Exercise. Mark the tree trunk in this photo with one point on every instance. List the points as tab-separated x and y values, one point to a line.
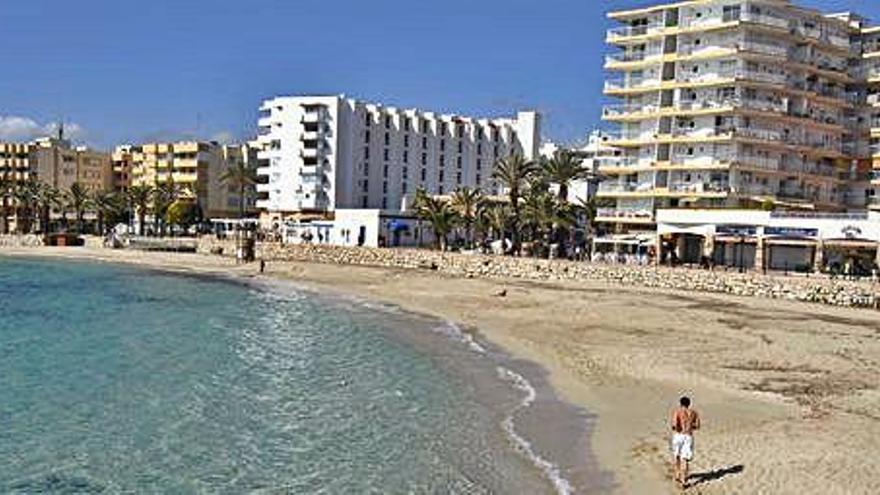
142	217
241	201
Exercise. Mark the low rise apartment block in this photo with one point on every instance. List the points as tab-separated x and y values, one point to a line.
197	167
322	153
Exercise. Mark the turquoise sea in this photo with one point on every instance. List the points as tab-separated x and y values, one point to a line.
121	380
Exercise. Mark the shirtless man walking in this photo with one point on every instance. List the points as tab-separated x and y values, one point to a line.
684	422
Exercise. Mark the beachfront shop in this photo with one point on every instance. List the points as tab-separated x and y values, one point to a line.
360	227
836	243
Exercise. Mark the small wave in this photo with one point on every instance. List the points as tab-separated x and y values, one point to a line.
453	330
562	486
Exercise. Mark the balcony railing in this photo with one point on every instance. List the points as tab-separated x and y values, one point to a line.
624	213
699	187
620	187
635	56
627	31
765	20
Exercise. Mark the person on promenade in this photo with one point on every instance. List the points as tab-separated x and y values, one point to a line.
684	422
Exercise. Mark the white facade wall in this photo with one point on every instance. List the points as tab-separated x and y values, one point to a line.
321	154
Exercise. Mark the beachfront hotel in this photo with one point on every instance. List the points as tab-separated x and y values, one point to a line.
320	154
196	166
734	104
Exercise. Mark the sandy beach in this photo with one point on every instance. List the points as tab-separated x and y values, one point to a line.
788	391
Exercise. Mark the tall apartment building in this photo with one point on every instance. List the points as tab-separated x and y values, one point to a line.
870	73
322	153
196	166
726	103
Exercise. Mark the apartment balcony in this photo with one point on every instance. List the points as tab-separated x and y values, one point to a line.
765	20
614	215
621	33
712	188
625	164
616	188
312	118
625	59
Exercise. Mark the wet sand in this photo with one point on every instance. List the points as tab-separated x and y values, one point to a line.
788	391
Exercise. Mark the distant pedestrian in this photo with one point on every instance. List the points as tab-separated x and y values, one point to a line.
683	423
262	265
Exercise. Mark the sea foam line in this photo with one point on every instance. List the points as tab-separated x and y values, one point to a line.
562	486
550	470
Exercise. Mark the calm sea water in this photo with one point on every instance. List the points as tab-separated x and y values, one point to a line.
115	379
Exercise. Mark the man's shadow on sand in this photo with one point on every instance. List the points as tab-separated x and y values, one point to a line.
707	476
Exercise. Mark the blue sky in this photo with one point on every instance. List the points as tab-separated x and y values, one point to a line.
128	71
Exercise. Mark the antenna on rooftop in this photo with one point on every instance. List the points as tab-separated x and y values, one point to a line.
61	130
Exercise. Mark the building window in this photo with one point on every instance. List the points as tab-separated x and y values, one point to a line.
479	133
458	178
365	186
387	123
384	188
425	127
368	120
424	174
480	148
458	162
495	151
440	189
366	153
405	156
407	123
405	173
460	147
384	203
459	131
366	169
442	160
367	137
424	158
441	176
479	163
385	154
387	139
444	128
424	143
364	202
403	188
385	171
406	140
479	179
442	145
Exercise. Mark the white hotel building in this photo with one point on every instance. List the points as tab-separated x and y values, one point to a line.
319	154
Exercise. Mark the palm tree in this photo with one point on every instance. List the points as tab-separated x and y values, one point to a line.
244	177
26	197
7	195
494	219
108	206
139	199
79	200
563	169
467	203
47	198
164	195
439	214
514	173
